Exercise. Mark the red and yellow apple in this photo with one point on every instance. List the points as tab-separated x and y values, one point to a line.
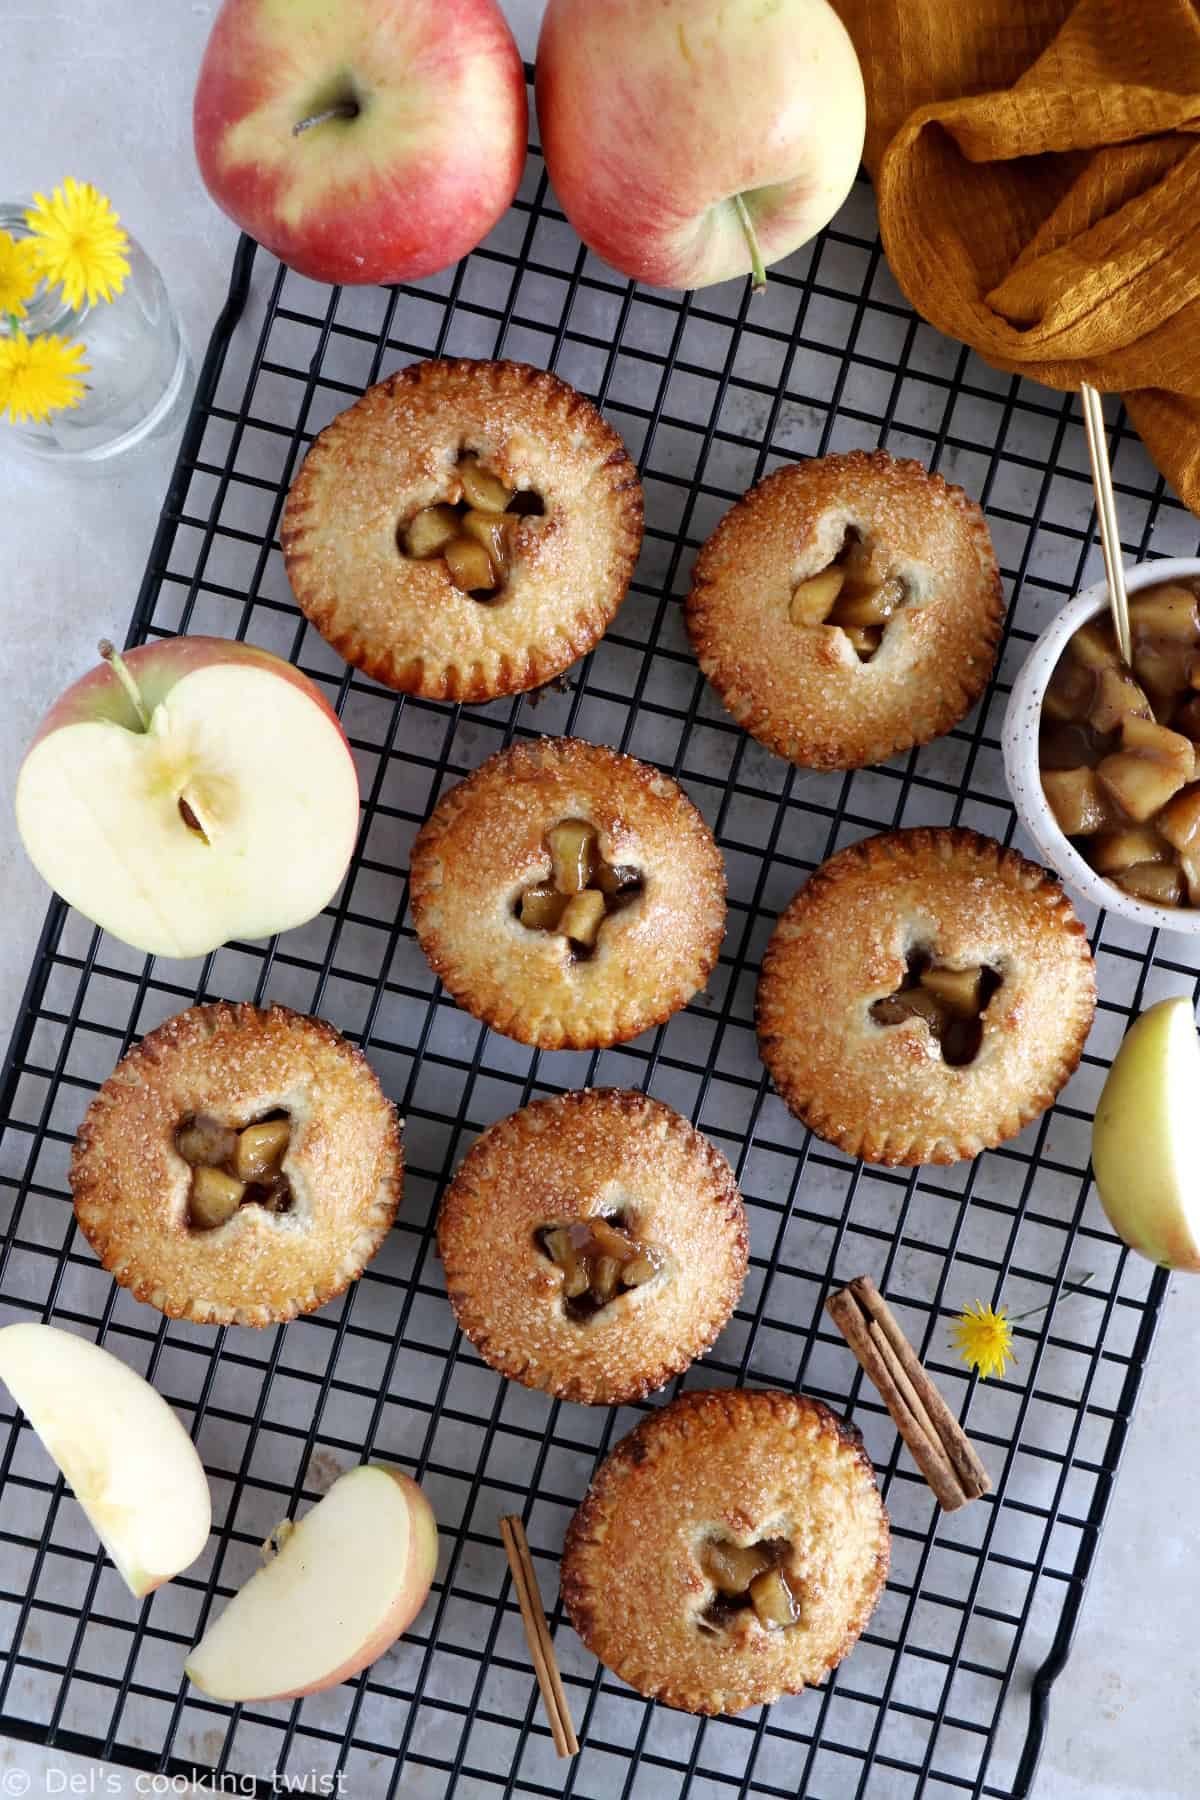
692	141
1146	1137
362	140
339	1587
197	790
133	1467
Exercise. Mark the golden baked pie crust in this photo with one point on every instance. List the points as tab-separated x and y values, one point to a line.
802	691
404	622
235	1061
484	843
884	1093
747	1465
570	1158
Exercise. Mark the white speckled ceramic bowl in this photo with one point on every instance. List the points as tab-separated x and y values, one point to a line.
1020	744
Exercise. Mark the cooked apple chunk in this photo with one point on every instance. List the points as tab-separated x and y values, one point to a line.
812	599
870	606
732	1567
582	917
864	639
1111	851
572	848
430	531
260	1148
481	488
959	989
1070	691
1117	698
1179	821
1148	738
542	906
470	565
1077	801
1159	883
215	1197
773	1600
1094	645
491	532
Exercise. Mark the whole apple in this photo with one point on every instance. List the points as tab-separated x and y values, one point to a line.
197	790
693	141
362	140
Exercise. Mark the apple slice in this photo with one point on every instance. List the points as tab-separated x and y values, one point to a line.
133	1467
195	791
345	1581
1146	1137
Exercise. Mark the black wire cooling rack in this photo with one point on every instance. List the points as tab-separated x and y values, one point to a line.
947	1691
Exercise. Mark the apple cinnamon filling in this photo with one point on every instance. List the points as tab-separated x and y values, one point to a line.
748	1576
234	1168
857	592
600	1258
1119	748
583	889
473	530
951	1001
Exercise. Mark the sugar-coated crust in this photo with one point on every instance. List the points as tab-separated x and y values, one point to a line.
803	692
568	1158
484	843
738	1464
233	1061
390	454
884	1093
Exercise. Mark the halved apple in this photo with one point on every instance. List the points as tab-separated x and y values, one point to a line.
198	789
132	1465
344	1582
1146	1137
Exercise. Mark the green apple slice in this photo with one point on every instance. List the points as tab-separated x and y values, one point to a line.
1146	1137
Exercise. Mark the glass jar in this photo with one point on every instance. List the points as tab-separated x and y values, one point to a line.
139	379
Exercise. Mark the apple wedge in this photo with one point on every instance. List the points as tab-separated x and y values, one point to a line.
1146	1137
344	1582
195	790
133	1467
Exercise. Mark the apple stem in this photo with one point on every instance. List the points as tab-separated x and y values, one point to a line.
120	669
1068	1287
758	268
345	109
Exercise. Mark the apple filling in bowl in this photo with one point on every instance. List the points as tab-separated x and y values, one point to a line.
1119	749
857	592
582	891
748	1576
472	530
234	1168
951	1001
600	1258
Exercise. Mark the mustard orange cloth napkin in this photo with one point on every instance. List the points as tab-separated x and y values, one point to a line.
1037	166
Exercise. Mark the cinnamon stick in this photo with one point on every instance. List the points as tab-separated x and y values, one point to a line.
537	1632
937	1442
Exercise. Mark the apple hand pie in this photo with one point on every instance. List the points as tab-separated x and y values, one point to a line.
730	1550
464	530
925	995
594	1245
239	1166
847	608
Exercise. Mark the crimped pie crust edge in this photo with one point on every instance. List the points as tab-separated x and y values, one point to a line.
118	1174
511	1309
638	1492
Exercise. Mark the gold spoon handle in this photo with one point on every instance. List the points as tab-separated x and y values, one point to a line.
1106	514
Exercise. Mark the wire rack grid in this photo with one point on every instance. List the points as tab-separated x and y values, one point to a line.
943	1694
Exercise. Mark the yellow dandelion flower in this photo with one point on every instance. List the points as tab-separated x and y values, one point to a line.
19	273
80	243
39	376
983	1339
